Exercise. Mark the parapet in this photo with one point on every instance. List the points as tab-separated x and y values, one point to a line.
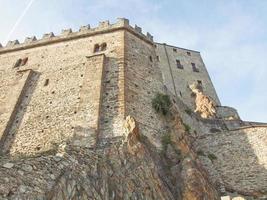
68	34
48	35
12	43
30	39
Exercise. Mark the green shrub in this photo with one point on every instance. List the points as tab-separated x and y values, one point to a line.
200	153
212	157
188	111
165	140
187	128
161	104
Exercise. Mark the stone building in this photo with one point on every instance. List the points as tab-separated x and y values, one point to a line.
64	127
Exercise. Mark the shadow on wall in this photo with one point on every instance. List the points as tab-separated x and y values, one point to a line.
20	110
239	157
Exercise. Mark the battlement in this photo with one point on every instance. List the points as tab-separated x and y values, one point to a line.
68	34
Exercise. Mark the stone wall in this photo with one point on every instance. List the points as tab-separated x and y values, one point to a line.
239	157
67	80
143	81
178	80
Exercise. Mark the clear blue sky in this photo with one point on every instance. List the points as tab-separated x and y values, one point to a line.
231	36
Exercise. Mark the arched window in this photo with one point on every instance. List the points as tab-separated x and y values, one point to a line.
103	46
96	48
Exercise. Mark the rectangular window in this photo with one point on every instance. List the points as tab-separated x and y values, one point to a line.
24	61
158	58
188	53
174	50
195	69
178	64
199	82
18	63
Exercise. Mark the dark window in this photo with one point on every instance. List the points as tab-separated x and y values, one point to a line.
150	58
199	82
157	58
96	48
195	69
188	53
46	82
181	94
24	61
103	46
178	64
18	63
174	50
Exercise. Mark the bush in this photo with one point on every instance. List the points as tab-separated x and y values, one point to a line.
212	157
188	111
161	104
165	140
187	128
200	153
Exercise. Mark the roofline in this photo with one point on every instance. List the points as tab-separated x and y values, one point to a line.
177	47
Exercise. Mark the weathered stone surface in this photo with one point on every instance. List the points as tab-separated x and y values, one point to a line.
205	106
64	133
8	165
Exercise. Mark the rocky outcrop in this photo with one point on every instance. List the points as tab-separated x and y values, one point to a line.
205	106
129	169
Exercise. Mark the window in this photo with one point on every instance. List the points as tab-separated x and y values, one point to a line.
150	58
103	46
18	63
195	69
178	64
199	82
46	82
24	61
96	48
158	58
174	50
188	53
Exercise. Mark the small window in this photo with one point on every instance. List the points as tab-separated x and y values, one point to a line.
178	64
158	58
181	94
188	53
195	69
18	63
103	46
199	82
96	48
24	61
46	82
150	58
174	50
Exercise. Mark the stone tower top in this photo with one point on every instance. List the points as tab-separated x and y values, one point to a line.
68	34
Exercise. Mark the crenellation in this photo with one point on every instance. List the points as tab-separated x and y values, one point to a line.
104	24
12	43
66	32
122	22
48	35
138	29
29	40
84	28
149	36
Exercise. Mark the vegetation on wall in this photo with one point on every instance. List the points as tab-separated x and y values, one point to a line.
161	103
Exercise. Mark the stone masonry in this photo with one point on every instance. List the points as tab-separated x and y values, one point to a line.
63	105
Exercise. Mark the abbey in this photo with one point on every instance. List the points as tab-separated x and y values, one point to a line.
69	103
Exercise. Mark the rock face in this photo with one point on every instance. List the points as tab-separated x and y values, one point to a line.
205	106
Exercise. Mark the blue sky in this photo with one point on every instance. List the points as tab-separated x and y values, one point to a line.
230	34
